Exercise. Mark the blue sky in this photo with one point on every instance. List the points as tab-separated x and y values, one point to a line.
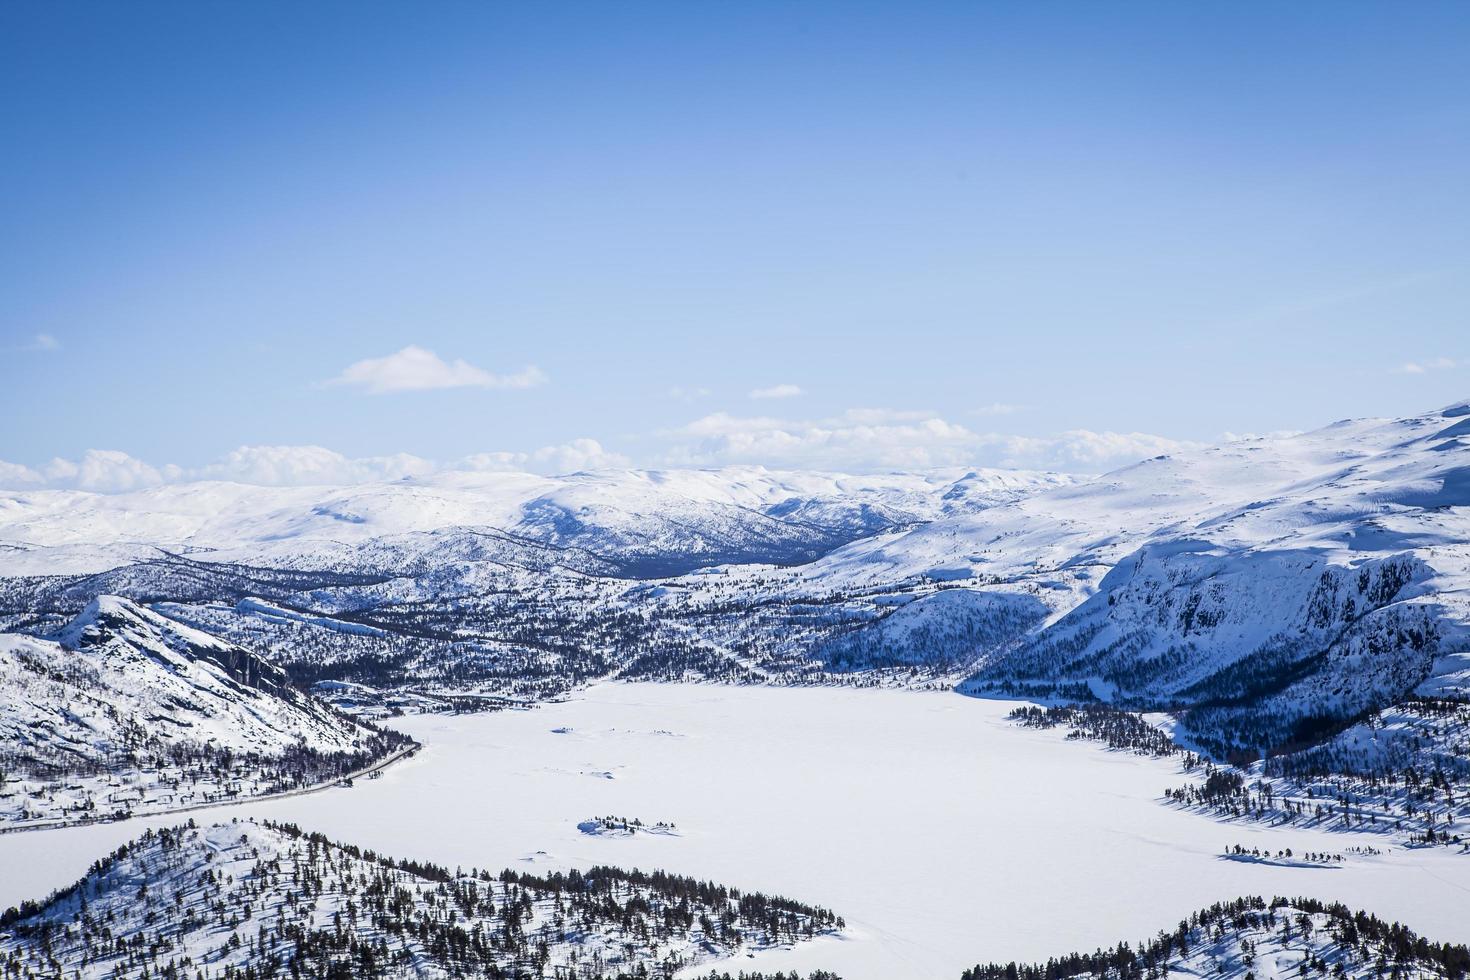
1039	234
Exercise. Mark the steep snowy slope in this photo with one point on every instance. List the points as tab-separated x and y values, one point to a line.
222	900
118	664
1275	586
124	695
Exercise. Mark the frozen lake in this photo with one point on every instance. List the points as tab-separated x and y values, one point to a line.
942	832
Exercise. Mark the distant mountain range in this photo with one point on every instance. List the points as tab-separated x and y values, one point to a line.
636	523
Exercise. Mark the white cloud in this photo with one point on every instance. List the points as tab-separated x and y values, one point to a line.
876	439
777	391
996	408
306	465
858	440
579	454
861	439
498	462
415	369
1424	367
110	471
106	471
41	343
884	416
16	476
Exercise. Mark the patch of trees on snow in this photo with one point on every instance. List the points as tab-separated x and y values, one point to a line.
1251	937
151	776
1114	727
1285	856
242	901
1404	771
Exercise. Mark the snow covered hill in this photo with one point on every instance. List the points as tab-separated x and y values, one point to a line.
125	710
1253	938
245	900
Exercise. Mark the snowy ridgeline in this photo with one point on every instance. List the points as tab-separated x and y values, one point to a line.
126	712
1298	938
241	900
497	585
1403	772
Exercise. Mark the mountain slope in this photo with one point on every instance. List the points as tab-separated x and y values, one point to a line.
101	715
1280	586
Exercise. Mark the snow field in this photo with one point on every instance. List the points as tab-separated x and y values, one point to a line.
944	834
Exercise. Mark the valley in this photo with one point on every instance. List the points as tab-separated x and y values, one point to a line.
895	696
943	833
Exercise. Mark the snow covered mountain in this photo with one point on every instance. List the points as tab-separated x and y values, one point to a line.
1270	590
244	900
98	716
636	522
1274	586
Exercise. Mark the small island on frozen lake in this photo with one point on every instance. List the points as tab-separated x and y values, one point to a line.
1285	857
625	827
